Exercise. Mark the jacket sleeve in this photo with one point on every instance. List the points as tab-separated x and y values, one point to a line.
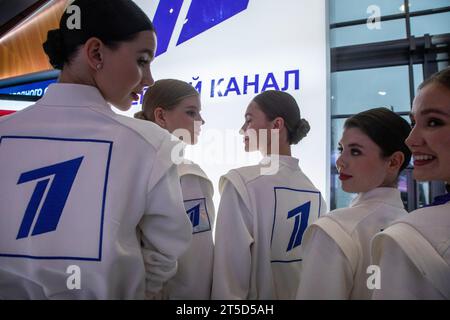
195	267
196	184
166	230
326	272
232	251
400	279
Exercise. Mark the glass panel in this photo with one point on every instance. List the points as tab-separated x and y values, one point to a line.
359	90
431	24
409	122
418	76
411	161
403	187
339	198
337	126
424	193
347	10
417	5
443	64
352	35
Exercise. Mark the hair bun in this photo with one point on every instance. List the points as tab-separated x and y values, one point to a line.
54	48
140	115
301	130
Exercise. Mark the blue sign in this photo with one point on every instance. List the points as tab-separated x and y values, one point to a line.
202	15
35	89
64	175
300	213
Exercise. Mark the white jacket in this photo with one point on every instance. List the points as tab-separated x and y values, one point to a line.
337	246
82	186
259	227
194	276
414	256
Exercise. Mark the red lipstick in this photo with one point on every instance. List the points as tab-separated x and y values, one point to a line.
343	176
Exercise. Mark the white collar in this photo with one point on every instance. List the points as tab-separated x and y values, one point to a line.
74	95
286	160
390	196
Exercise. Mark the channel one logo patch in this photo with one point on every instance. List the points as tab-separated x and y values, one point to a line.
202	15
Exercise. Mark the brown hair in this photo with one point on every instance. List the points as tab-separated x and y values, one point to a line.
281	104
384	127
442	77
166	94
112	21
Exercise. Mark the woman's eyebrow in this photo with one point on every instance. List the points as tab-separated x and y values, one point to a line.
434	110
355	145
148	51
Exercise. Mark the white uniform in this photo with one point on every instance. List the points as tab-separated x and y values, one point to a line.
82	186
194	276
337	246
414	255
259	228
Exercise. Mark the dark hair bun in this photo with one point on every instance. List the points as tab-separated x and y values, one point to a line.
300	131
140	115
54	48
110	21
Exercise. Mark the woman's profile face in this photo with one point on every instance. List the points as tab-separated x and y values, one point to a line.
126	70
429	140
256	126
360	165
185	120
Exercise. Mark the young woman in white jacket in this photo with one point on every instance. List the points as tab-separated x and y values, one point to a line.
337	246
82	216
414	253
265	208
175	106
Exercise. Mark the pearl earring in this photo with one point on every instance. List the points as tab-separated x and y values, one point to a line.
99	66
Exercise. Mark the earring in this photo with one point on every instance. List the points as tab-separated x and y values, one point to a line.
99	66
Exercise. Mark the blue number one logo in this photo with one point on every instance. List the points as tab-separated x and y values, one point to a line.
301	215
47	221
194	215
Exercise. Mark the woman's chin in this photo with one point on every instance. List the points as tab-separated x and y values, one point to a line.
346	188
122	105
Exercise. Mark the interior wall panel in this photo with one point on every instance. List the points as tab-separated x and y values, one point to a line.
21	49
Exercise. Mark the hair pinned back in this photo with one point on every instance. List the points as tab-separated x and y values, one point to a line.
301	131
281	104
112	21
384	127
140	115
166	94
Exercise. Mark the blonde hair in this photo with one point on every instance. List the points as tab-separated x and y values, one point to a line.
166	94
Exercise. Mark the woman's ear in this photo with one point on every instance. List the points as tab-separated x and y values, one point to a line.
160	117
93	49
278	123
396	161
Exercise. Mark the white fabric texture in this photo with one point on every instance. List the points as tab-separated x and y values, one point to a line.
336	260
409	268
260	221
194	275
122	220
